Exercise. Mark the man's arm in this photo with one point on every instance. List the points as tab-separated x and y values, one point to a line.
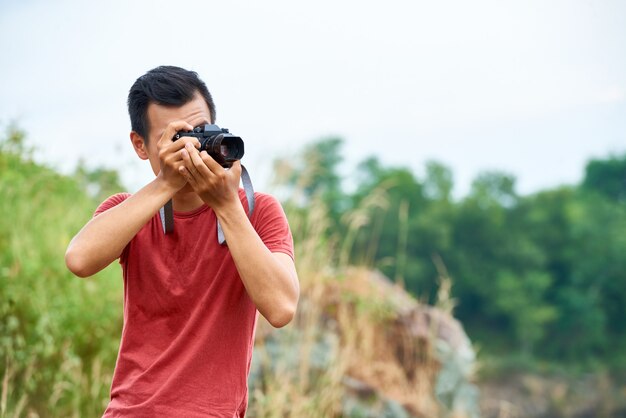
270	278
103	238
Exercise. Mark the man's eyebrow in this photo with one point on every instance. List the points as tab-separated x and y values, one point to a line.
204	122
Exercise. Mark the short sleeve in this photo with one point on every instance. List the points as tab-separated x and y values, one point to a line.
111	202
270	222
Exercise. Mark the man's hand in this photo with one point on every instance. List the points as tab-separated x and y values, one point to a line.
171	153
217	186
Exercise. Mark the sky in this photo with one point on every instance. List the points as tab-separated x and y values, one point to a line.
531	88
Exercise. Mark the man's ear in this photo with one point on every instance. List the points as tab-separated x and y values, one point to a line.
139	145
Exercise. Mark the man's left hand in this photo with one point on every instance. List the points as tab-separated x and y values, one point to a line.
217	186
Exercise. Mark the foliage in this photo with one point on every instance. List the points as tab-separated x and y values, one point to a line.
543	275
58	333
314	174
540	277
607	177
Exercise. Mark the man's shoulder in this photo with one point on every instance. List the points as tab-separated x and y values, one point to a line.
261	200
111	201
265	198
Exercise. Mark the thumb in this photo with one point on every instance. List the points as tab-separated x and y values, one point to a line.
236	168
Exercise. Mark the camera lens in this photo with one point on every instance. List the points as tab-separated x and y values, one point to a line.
224	148
231	148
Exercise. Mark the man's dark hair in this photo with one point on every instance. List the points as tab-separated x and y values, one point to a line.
167	86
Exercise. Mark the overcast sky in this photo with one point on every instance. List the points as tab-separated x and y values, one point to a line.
532	88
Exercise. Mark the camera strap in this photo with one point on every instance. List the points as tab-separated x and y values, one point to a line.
167	213
249	190
167	217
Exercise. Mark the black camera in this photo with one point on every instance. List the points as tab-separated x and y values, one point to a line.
224	147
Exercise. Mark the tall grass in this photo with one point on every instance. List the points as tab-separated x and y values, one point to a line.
342	303
58	334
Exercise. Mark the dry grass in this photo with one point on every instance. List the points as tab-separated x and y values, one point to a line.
375	354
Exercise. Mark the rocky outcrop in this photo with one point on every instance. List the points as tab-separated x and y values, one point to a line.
387	354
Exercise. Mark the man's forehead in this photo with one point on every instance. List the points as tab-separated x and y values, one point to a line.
195	112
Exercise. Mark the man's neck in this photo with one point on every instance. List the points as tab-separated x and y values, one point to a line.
186	200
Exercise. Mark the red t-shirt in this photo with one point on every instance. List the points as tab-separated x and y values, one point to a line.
189	324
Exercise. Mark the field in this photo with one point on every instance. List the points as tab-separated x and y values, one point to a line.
362	345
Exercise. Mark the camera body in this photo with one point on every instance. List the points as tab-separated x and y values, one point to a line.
220	144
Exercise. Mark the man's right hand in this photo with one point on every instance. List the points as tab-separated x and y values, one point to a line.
170	155
105	236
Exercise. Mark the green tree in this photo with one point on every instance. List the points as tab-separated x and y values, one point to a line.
501	281
315	172
439	182
394	240
607	177
540	274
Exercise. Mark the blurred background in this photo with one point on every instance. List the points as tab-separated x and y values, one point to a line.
454	174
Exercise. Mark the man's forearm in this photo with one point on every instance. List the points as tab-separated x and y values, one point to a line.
104	237
270	278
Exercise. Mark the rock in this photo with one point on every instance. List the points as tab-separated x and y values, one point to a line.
389	355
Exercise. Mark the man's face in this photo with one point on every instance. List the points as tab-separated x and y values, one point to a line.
196	113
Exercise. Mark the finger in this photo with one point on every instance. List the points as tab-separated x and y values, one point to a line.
182	170
210	162
183	141
193	162
187	162
171	130
173	153
236	168
199	164
168	149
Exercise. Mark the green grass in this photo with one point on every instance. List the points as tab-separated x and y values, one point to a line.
59	333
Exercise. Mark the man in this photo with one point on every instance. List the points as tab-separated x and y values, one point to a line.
190	304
